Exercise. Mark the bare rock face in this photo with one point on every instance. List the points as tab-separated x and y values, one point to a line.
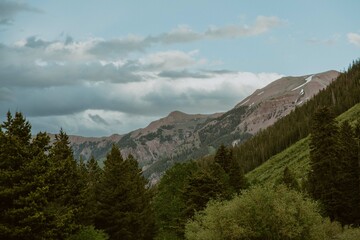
279	98
181	136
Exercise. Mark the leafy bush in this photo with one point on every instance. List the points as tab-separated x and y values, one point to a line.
349	234
89	233
262	213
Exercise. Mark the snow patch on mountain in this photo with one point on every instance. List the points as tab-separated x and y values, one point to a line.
307	80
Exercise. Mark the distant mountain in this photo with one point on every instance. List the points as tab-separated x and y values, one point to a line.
181	136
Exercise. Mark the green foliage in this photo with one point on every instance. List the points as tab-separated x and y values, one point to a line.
127	141
169	204
289	179
323	160
23	178
65	184
334	175
349	234
295	126
347	177
187	188
224	158
224	125
123	209
262	213
89	233
209	182
296	157
91	179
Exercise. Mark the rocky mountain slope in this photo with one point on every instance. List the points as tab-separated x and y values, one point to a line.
181	136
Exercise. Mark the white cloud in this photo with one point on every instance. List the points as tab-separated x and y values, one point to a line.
171	60
102	108
98	87
354	38
262	25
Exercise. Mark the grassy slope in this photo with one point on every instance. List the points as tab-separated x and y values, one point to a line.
296	157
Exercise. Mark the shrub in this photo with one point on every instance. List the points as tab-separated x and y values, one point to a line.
89	233
262	213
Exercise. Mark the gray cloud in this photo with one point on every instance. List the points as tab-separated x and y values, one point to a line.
66	82
34	42
32	67
115	47
182	74
97	119
5	94
9	9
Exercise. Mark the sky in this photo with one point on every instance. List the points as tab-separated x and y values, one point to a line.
99	67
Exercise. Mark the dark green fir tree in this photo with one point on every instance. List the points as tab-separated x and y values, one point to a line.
123	209
324	160
23	181
289	179
348	201
65	188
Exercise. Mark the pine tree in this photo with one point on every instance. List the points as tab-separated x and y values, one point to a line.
225	159
169	203
209	182
64	195
289	179
237	178
123	209
348	177
88	195
324	162
23	188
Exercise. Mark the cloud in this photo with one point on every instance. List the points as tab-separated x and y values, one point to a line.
182	74
97	119
122	46
171	60
149	99
329	41
262	24
98	87
181	34
354	38
113	49
9	9
184	33
5	94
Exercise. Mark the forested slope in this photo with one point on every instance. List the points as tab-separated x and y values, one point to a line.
341	95
296	157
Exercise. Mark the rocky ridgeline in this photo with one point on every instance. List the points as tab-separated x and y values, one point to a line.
181	136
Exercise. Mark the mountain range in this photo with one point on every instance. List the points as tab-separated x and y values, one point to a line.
180	136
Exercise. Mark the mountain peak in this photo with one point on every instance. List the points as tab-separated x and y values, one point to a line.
177	114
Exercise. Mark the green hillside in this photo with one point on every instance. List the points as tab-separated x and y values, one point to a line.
296	157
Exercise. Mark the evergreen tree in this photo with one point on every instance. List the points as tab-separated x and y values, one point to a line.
237	178
225	159
88	195
169	203
23	188
123	201
65	187
324	160
347	179
209	182
289	179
